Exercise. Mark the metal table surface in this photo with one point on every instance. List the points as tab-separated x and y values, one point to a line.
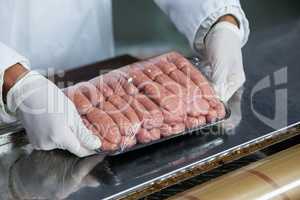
272	88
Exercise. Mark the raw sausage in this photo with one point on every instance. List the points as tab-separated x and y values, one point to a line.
155	91
126	81
127	142
197	106
105	125
177	60
155	133
191	122
171	85
178	128
153	109
166	130
212	116
122	122
129	88
161	96
200	81
151	70
139	79
105	145
201	120
192	107
91	92
89	126
194	122
170	117
166	67
144	116
144	136
185	81
126	109
220	108
102	86
115	81
82	104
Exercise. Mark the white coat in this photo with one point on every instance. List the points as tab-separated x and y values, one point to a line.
69	33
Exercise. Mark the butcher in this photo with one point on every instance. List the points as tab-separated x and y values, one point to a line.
41	35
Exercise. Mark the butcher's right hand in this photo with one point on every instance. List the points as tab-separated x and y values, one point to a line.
49	117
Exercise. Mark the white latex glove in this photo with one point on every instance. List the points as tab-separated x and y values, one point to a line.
224	54
49	117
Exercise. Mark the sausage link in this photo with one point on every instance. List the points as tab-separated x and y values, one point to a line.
153	109
191	122
82	104
137	75
126	109
166	130
191	107
200	81
127	142
91	92
171	85
185	81
115	81
144	136
107	146
89	126
155	133
178	128
170	117
178	60
143	114
166	67
102	86
201	120
152	71
212	116
155	91
220	108
105	125
129	88
122	122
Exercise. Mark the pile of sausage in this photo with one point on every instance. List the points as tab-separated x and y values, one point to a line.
146	101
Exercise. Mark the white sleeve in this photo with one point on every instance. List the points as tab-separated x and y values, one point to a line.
8	58
194	18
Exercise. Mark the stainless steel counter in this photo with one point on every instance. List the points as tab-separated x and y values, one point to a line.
271	91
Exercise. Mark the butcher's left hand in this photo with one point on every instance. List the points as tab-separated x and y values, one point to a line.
223	49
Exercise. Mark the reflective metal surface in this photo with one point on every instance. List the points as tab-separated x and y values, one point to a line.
271	60
275	177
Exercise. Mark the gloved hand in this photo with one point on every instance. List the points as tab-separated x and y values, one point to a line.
49	117
223	49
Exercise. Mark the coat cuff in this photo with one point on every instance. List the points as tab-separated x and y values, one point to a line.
236	11
9	57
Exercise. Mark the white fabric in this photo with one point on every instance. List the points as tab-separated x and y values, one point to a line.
49	117
53	35
58	33
8	58
194	18
224	54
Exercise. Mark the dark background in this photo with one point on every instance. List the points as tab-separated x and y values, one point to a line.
142	29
